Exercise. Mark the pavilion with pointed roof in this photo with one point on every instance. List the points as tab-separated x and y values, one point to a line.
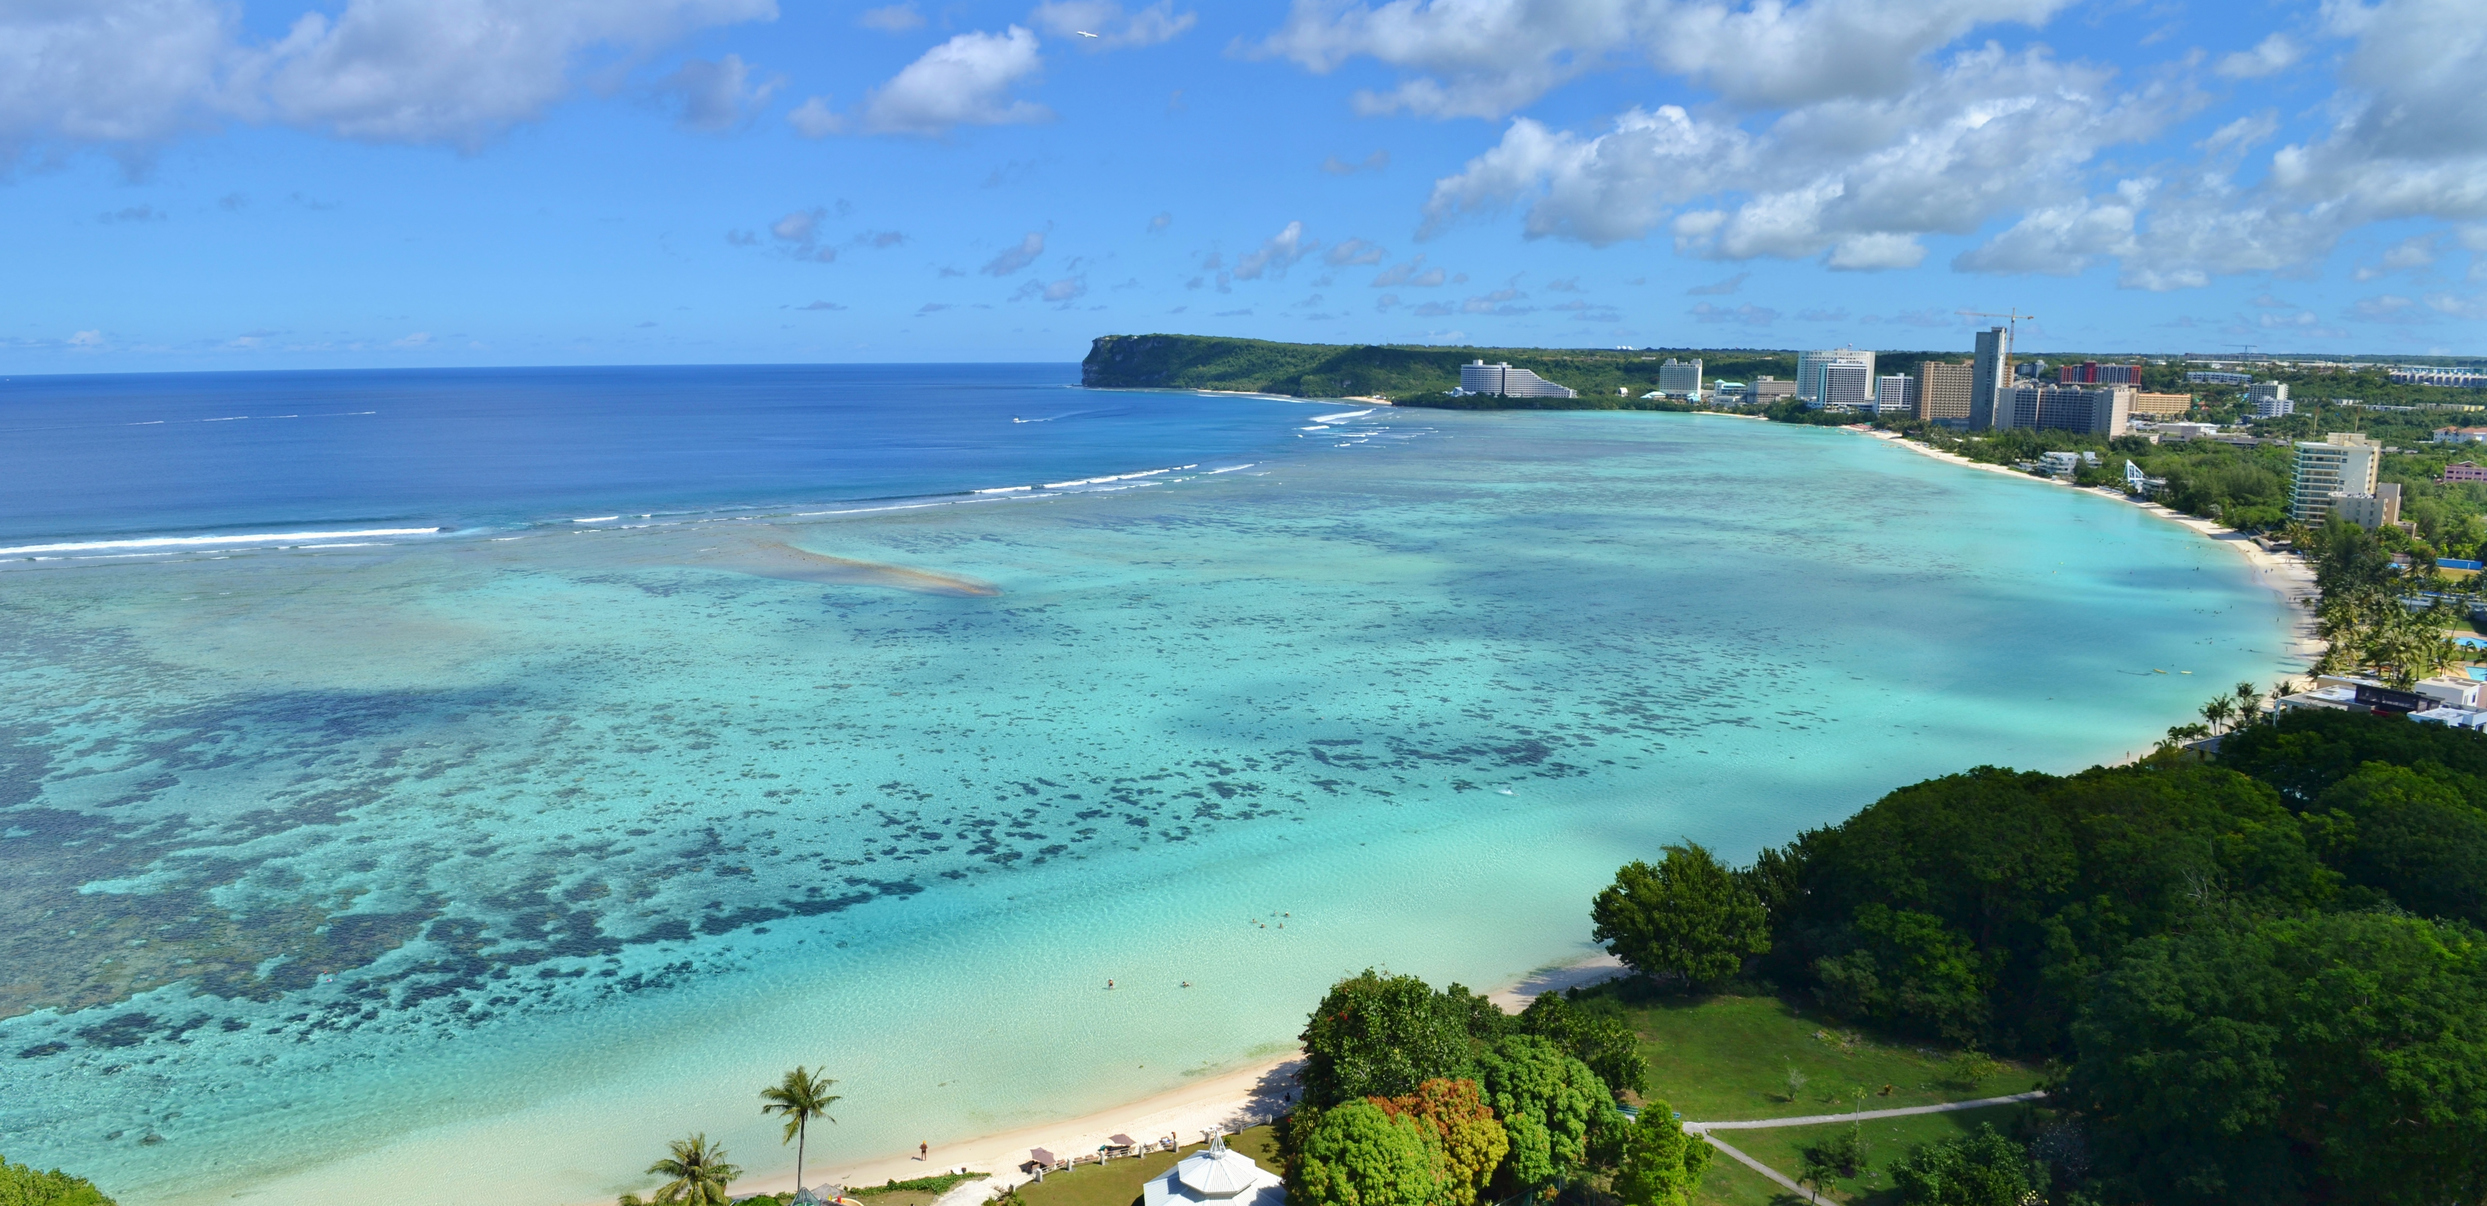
1216	1176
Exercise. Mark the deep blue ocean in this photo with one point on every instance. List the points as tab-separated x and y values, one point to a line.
421	787
114	457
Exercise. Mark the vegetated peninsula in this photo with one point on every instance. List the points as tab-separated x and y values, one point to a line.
1407	374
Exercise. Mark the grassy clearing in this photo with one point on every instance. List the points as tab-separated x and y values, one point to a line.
1118	1183
1727	1058
1890	1138
1731	1184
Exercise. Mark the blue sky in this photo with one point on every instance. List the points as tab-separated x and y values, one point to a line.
194	184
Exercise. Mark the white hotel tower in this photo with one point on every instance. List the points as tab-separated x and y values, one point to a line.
1478	377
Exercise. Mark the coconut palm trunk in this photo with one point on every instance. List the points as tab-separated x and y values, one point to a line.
802	1096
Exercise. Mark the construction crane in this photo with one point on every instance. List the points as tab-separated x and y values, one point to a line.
2011	317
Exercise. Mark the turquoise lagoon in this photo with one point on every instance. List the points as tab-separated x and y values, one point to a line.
476	868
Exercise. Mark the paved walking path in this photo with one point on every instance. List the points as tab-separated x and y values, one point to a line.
1902	1112
1703	1129
1767	1171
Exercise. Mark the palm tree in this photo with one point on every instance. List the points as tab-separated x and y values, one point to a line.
699	1174
801	1097
2219	711
2249	704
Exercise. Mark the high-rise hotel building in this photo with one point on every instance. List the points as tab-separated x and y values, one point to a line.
1991	371
1478	377
1840	376
1944	389
2343	465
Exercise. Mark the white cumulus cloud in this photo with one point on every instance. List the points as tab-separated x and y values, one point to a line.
1857	180
1274	256
1486	58
2270	56
966	81
1114	28
458	71
1012	259
130	73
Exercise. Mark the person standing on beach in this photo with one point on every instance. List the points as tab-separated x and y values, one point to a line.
923	1151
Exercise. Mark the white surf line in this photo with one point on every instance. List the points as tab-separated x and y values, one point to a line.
1865	1115
179	542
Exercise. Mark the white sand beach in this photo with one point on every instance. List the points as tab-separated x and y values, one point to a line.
1228	1102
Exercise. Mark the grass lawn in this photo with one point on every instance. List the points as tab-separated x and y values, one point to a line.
1118	1183
1731	1184
1726	1058
1890	1139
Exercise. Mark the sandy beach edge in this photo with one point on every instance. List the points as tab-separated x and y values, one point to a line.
2284	574
1229	1101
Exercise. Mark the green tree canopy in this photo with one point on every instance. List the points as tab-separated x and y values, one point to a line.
1984	1169
2411	835
1594	1031
1471	1141
1905	964
2333	1057
1358	1154
22	1185
1382	1036
1549	1102
2020	888
1688	917
2306	750
1661	1165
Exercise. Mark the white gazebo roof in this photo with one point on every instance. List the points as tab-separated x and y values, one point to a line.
1217	1176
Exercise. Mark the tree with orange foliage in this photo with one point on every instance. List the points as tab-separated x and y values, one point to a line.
1473	1143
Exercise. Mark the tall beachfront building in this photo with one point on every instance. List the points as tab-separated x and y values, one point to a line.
1478	377
1680	378
1990	372
2035	406
1895	394
2341	466
1840	376
1943	389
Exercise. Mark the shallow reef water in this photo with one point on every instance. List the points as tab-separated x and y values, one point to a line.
485	864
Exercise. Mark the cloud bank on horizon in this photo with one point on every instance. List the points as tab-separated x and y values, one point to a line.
200	183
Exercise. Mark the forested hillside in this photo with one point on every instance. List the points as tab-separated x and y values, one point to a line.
1398	372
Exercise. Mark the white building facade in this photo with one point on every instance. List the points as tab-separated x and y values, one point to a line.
1895	393
2341	466
1478	377
1838	377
